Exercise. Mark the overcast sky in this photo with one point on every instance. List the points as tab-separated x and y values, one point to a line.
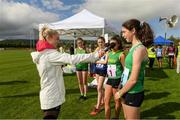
18	17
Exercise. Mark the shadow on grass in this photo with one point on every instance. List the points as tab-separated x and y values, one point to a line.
92	90
156	95
72	91
15	82
76	90
162	111
146	91
23	95
92	96
155	74
69	74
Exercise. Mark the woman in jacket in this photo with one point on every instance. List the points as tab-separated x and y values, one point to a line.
49	61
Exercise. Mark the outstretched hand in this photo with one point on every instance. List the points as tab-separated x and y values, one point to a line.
101	53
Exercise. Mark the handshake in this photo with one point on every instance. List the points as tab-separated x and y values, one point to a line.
110	46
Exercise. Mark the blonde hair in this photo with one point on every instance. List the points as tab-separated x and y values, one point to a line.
47	32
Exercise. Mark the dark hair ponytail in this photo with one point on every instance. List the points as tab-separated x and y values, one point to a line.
143	31
118	40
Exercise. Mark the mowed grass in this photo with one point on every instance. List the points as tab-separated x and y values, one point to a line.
19	92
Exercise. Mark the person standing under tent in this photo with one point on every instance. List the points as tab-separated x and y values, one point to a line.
115	68
81	70
101	72
159	55
61	48
132	92
92	66
71	50
178	58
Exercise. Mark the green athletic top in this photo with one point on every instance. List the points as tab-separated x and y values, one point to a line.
115	68
81	65
139	86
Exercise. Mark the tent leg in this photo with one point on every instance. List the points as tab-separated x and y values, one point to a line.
103	32
74	35
74	43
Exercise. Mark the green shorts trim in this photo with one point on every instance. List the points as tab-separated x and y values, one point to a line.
82	67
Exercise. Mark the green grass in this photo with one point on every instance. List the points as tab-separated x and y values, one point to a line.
19	89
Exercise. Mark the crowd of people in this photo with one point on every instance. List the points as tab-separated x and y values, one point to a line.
168	53
125	71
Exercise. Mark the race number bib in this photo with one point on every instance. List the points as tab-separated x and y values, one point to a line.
99	65
124	76
159	54
111	71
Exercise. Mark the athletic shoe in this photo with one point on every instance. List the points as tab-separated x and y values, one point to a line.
95	111
101	106
84	97
81	97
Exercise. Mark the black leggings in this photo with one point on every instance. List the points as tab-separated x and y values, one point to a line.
151	62
51	113
171	61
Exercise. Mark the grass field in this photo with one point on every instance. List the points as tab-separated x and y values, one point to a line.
19	89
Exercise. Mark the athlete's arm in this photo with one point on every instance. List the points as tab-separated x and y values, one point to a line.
122	59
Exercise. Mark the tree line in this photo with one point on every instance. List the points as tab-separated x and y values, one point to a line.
65	43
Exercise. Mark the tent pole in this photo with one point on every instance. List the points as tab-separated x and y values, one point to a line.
74	35
30	39
103	32
74	43
165	35
34	37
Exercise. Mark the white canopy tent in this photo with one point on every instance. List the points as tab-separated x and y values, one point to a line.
82	24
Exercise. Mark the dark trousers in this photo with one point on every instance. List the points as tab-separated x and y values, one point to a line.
151	62
52	113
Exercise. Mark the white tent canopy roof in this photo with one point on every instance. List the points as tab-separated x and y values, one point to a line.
82	23
84	19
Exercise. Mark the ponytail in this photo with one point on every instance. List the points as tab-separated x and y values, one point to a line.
118	40
146	34
46	32
143	31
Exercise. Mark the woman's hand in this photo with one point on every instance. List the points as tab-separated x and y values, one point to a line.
118	95
101	53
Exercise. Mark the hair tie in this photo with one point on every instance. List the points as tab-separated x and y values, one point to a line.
141	23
